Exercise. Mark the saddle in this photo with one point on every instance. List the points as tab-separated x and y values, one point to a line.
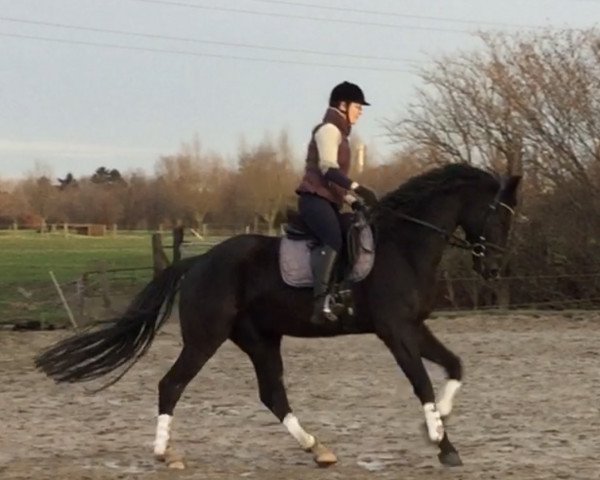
354	263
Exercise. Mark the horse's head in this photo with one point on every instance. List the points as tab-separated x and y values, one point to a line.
487	221
450	196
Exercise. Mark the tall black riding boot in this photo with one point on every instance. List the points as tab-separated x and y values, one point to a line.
322	262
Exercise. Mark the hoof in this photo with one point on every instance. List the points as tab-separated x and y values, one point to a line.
450	459
171	459
174	460
176	465
322	456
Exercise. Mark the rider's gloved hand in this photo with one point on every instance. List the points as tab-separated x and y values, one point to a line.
358	205
366	194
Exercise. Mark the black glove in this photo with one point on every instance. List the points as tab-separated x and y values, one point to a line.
367	195
358	205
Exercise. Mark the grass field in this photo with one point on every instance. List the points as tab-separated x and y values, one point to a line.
26	258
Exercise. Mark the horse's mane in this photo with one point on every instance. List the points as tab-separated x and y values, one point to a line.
417	191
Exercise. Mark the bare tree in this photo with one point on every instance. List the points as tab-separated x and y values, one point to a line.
13	203
459	116
190	182
266	178
40	195
526	103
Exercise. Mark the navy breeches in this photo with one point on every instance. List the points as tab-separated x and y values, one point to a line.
324	219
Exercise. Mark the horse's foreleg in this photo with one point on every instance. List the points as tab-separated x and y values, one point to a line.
403	343
446	400
265	355
432	349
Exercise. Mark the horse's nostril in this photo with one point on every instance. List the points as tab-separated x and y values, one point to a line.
494	273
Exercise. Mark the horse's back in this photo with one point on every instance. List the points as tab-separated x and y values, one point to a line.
234	264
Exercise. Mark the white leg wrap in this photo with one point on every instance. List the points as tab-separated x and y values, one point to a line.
433	420
446	402
306	440
163	433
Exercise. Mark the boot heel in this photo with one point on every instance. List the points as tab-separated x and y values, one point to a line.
328	313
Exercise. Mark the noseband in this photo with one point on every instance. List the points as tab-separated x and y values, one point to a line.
480	248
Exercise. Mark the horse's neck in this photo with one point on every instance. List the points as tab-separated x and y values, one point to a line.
425	246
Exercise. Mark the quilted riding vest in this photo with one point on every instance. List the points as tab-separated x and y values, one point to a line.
314	180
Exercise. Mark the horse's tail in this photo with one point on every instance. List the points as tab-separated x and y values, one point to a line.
122	341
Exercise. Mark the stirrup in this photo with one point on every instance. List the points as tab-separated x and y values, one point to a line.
324	314
327	311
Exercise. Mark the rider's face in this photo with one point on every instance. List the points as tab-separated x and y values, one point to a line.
353	110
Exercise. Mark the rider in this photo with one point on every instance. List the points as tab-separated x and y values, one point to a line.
325	186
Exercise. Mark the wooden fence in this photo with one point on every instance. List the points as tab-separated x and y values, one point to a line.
103	293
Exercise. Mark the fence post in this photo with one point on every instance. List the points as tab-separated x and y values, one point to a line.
503	293
474	291
104	285
449	288
80	288
159	258
177	241
63	299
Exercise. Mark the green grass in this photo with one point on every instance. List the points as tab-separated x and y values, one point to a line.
27	257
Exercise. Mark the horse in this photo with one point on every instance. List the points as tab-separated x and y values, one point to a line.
235	291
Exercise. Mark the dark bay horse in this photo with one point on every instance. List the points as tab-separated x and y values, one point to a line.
235	291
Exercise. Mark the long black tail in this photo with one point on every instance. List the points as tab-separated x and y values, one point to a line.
120	342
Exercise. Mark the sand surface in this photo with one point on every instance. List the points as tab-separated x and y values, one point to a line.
529	409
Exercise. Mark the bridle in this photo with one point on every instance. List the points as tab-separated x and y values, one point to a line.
481	246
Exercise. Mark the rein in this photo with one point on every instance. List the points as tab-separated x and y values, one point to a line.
479	248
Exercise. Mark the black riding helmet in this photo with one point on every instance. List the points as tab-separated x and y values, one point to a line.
347	92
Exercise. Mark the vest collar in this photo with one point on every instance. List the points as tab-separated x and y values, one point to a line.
338	118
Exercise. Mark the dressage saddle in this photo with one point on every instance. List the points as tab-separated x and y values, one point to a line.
354	263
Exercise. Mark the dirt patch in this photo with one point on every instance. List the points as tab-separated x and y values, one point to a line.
528	409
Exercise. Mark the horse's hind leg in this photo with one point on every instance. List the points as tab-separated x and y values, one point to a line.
186	367
265	354
202	337
432	349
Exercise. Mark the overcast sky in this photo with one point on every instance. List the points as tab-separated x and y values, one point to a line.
74	96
